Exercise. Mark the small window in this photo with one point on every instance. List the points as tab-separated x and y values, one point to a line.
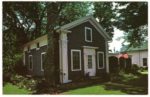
30	62
28	48
144	61
88	34
100	59
76	60
42	60
38	45
89	61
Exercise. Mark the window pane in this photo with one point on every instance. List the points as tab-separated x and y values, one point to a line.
76	60
89	61
100	60
38	45
144	61
88	34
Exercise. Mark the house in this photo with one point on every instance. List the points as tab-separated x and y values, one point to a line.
139	55
82	49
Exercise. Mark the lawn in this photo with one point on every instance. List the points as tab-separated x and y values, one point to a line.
129	84
12	89
96	89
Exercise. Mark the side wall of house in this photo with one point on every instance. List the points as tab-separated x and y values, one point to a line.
36	54
137	57
76	40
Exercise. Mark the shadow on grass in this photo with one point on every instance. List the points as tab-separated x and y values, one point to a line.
42	88
134	86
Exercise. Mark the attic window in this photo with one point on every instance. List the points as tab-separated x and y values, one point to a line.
38	45
28	48
88	34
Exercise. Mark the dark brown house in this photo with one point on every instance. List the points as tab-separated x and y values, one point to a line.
82	50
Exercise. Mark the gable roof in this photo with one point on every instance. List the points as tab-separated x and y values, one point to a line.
66	27
142	47
92	20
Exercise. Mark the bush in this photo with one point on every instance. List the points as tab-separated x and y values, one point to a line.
11	66
24	82
20	69
122	76
7	77
135	69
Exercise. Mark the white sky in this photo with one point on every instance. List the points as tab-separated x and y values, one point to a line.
116	43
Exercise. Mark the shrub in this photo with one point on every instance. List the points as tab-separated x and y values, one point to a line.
9	66
20	69
24	82
134	69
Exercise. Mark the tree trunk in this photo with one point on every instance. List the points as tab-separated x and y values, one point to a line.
49	63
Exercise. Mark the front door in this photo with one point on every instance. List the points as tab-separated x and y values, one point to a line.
89	62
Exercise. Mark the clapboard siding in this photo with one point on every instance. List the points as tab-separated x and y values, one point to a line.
76	40
36	60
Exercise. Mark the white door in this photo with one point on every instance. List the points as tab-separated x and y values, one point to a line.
89	62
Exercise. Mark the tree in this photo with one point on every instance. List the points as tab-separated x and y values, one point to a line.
133	19
57	14
105	13
25	21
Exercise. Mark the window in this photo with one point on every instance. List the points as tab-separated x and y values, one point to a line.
28	48
30	62
76	60
144	61
38	45
88	34
42	60
89	61
100	60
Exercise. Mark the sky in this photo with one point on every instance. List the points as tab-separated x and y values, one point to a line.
116	44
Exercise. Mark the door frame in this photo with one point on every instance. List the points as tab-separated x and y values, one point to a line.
88	50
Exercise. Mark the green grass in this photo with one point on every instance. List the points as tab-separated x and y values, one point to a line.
129	84
96	89
12	89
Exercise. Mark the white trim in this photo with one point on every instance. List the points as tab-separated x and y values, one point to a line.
33	44
42	61
75	50
107	59
63	57
75	23
99	52
29	61
92	20
85	34
86	52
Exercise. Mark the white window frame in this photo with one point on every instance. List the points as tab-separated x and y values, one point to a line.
75	50
86	34
42	60
99	52
29	62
